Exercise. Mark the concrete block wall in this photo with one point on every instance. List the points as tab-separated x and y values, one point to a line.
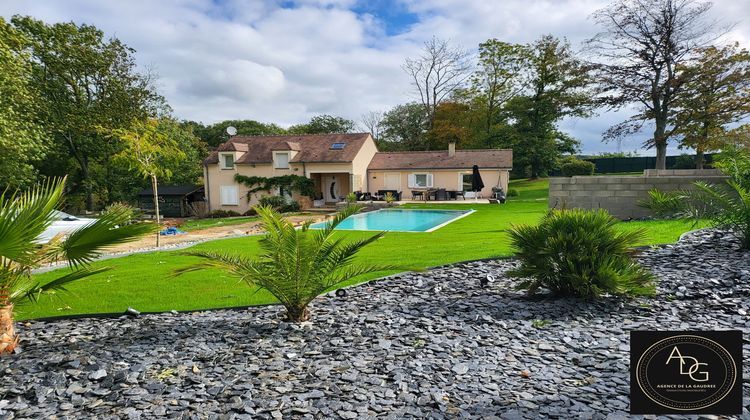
619	195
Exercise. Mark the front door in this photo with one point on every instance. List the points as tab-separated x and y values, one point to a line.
331	188
393	181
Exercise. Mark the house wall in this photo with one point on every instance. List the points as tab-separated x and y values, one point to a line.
360	163
445	178
216	177
619	195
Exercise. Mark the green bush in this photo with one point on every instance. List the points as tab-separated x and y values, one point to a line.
684	162
574	167
217	214
512	192
279	203
579	253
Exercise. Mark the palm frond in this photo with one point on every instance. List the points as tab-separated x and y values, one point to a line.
25	216
87	242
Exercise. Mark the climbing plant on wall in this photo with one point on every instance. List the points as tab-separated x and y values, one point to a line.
304	186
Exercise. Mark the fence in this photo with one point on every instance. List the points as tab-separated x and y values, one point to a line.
613	165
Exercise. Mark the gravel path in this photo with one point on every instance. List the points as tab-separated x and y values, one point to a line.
434	344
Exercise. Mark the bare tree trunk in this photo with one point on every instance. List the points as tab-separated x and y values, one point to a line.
699	158
154	186
297	314
660	142
8	337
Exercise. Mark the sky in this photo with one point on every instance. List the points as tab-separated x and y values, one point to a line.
287	61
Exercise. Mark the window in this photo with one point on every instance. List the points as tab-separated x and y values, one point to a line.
420	180
227	161
281	160
337	146
230	195
466	181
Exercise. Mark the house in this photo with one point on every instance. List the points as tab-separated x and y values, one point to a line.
342	163
174	200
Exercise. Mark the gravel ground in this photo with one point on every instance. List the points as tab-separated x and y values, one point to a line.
434	344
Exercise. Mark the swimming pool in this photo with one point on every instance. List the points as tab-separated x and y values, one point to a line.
400	220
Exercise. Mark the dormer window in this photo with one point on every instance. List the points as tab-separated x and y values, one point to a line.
226	160
281	160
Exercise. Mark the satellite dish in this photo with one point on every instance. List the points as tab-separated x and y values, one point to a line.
231	130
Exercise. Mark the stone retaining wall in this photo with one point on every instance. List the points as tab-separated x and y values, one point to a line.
620	195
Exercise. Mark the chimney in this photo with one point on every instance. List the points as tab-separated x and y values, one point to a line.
452	149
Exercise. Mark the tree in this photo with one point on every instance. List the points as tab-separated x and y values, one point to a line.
437	73
86	82
452	125
297	265
404	128
373	123
149	149
559	86
323	124
501	74
22	139
716	94
23	218
216	134
640	52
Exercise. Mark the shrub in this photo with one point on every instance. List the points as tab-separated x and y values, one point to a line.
217	214
574	167
351	198
684	162
250	212
273	201
389	198
279	203
512	192
128	211
296	265
579	253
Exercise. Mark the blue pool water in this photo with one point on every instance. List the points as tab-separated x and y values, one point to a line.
399	220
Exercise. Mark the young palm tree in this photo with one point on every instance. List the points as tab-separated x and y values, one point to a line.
23	218
727	206
297	265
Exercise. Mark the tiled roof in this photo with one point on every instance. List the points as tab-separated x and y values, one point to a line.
463	159
312	148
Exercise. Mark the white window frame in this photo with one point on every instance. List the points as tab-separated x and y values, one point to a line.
413	180
229	200
276	160
222	160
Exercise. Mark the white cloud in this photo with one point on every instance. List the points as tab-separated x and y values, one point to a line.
258	60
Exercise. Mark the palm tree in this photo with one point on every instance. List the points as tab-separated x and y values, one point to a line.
297	265
23	218
728	206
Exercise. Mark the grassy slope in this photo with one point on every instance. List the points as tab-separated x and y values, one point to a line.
144	281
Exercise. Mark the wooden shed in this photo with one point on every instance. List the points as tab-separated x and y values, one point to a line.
174	200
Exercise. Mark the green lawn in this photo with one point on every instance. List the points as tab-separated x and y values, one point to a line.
197	224
144	281
530	189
